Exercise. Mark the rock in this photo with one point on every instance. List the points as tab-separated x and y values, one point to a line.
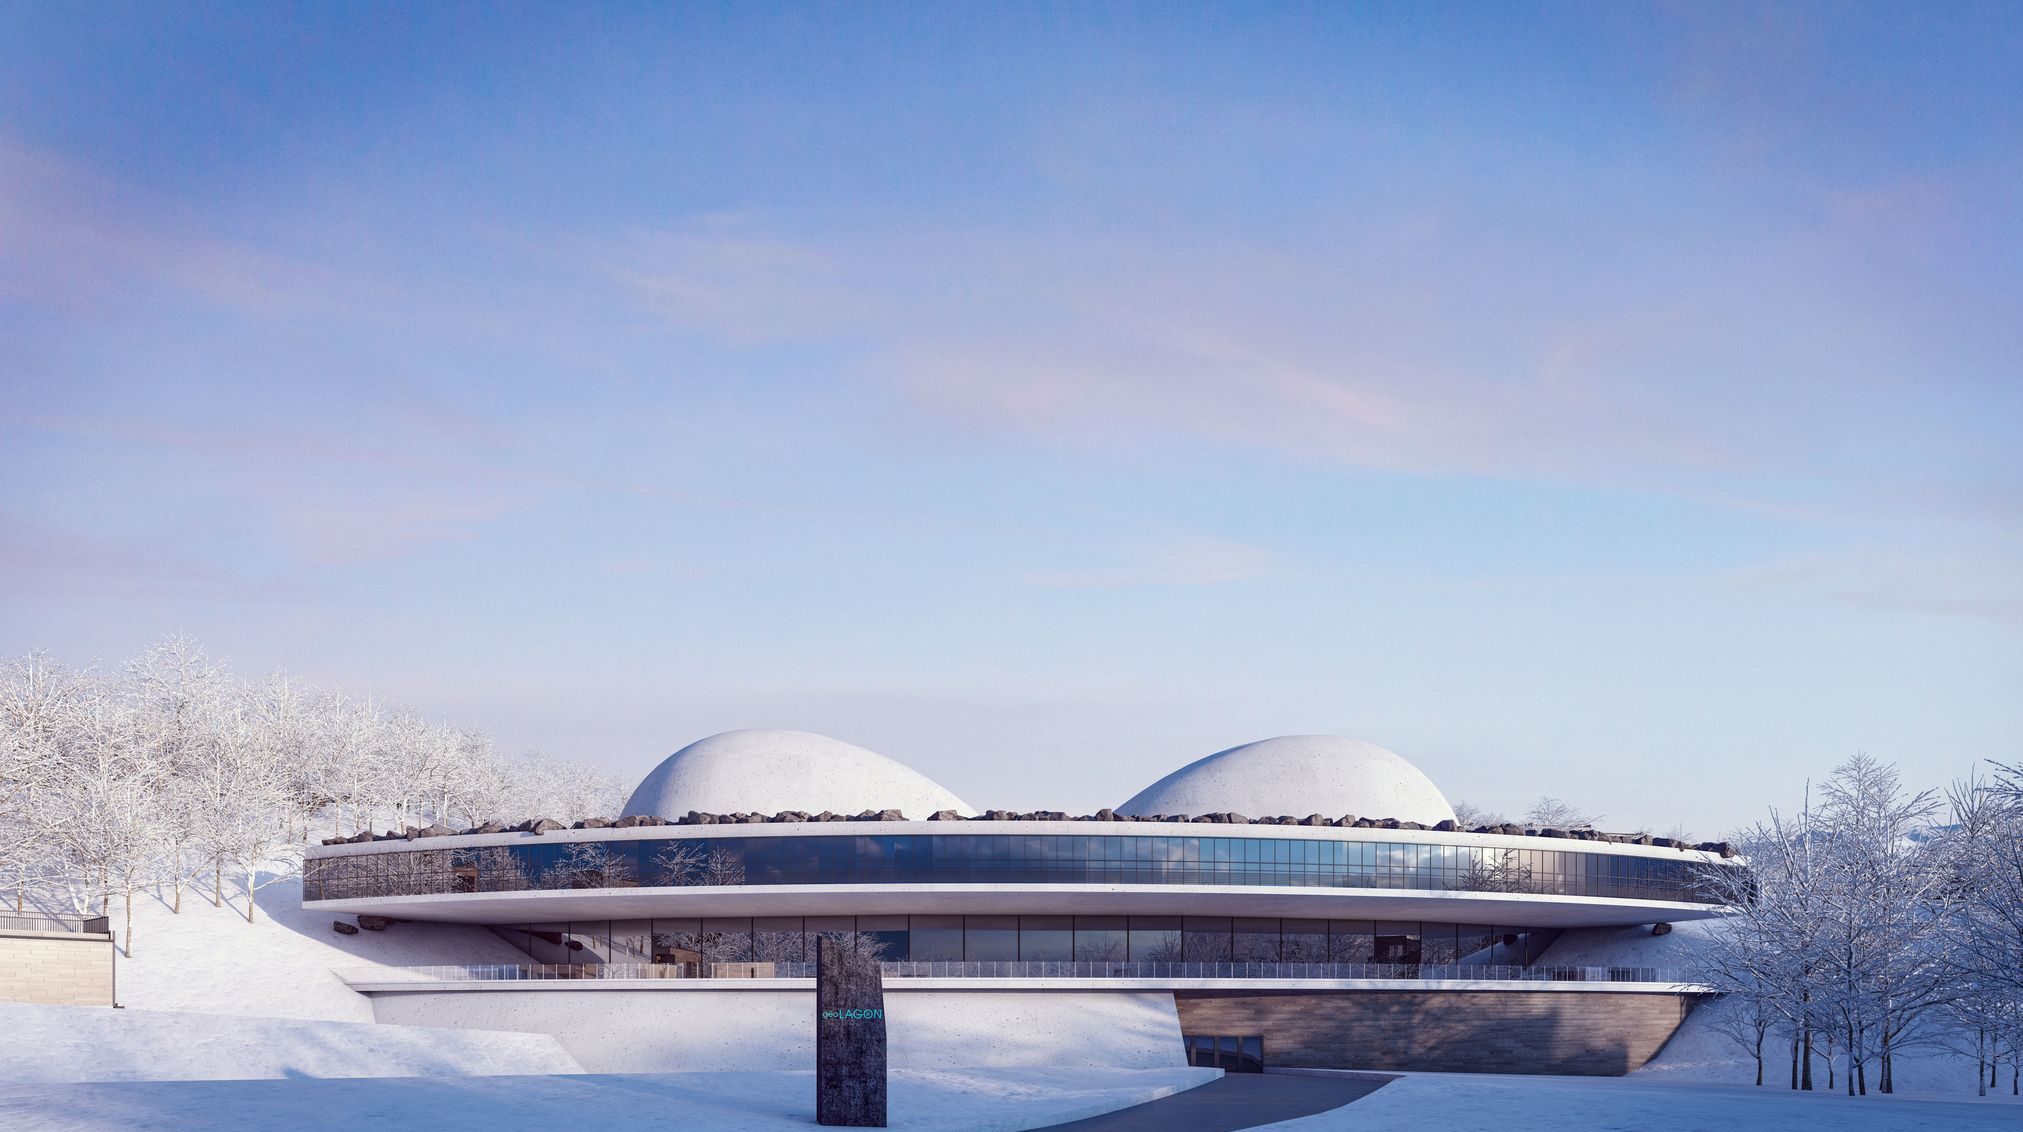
434	829
1388	823
1447	826
791	816
1664	843
337	841
1552	833
999	815
1661	929
1105	814
1235	819
944	815
825	815
595	823
634	821
373	923
1363	823
891	815
488	827
541	826
342	928
1410	825
361	837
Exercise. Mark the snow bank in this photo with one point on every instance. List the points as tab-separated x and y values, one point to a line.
1633	946
209	960
920	1101
1699	1051
88	1043
1469	1102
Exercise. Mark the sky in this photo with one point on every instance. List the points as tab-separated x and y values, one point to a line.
1617	402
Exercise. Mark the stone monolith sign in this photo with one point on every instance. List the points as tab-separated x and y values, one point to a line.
849	1037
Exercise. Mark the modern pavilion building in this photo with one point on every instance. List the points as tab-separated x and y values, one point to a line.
1310	900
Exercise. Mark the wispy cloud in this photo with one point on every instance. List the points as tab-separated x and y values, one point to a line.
1978	587
1193	561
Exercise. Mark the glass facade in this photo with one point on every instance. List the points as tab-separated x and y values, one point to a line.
957	939
1000	859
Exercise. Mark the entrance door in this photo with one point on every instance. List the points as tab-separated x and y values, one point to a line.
1231	1053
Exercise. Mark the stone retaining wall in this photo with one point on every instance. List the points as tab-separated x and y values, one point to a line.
58	968
1588	1033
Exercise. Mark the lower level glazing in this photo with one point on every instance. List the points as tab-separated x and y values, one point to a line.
941	938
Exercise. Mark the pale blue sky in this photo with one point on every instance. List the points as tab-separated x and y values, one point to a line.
1615	402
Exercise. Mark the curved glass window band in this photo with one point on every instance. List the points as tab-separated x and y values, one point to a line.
1000	859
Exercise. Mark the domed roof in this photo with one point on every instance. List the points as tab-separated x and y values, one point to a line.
1297	775
764	771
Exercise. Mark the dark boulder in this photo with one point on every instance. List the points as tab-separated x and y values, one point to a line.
540	826
1661	929
1552	833
342	928
1447	826
944	815
374	923
488	827
434	829
891	815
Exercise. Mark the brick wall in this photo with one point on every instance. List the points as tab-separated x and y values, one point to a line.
1573	1032
63	968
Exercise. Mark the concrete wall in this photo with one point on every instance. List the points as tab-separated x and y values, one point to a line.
1589	1033
60	968
662	1031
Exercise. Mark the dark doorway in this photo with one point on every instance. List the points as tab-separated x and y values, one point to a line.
1231	1053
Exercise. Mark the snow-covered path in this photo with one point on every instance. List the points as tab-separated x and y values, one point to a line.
1004	1100
1479	1103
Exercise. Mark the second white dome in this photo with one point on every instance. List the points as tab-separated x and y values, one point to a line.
1297	775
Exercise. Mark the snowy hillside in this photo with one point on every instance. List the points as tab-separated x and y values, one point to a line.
209	960
86	1043
1699	1051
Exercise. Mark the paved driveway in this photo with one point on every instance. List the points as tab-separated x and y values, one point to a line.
1238	1100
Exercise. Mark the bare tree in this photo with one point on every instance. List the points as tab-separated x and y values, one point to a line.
1553	813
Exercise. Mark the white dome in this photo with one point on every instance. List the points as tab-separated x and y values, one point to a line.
1297	775
766	772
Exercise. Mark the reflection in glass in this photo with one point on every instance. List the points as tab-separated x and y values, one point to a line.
1102	939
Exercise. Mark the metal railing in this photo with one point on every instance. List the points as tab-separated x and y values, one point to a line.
1025	970
99	925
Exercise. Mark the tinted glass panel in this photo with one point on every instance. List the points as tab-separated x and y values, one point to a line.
994	859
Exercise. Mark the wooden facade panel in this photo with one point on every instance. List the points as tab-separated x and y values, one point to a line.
1586	1033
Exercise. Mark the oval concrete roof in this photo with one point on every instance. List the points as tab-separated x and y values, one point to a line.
1297	775
768	771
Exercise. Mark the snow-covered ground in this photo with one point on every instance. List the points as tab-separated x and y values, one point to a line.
89	1043
209	960
1699	1052
1479	1103
979	1100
